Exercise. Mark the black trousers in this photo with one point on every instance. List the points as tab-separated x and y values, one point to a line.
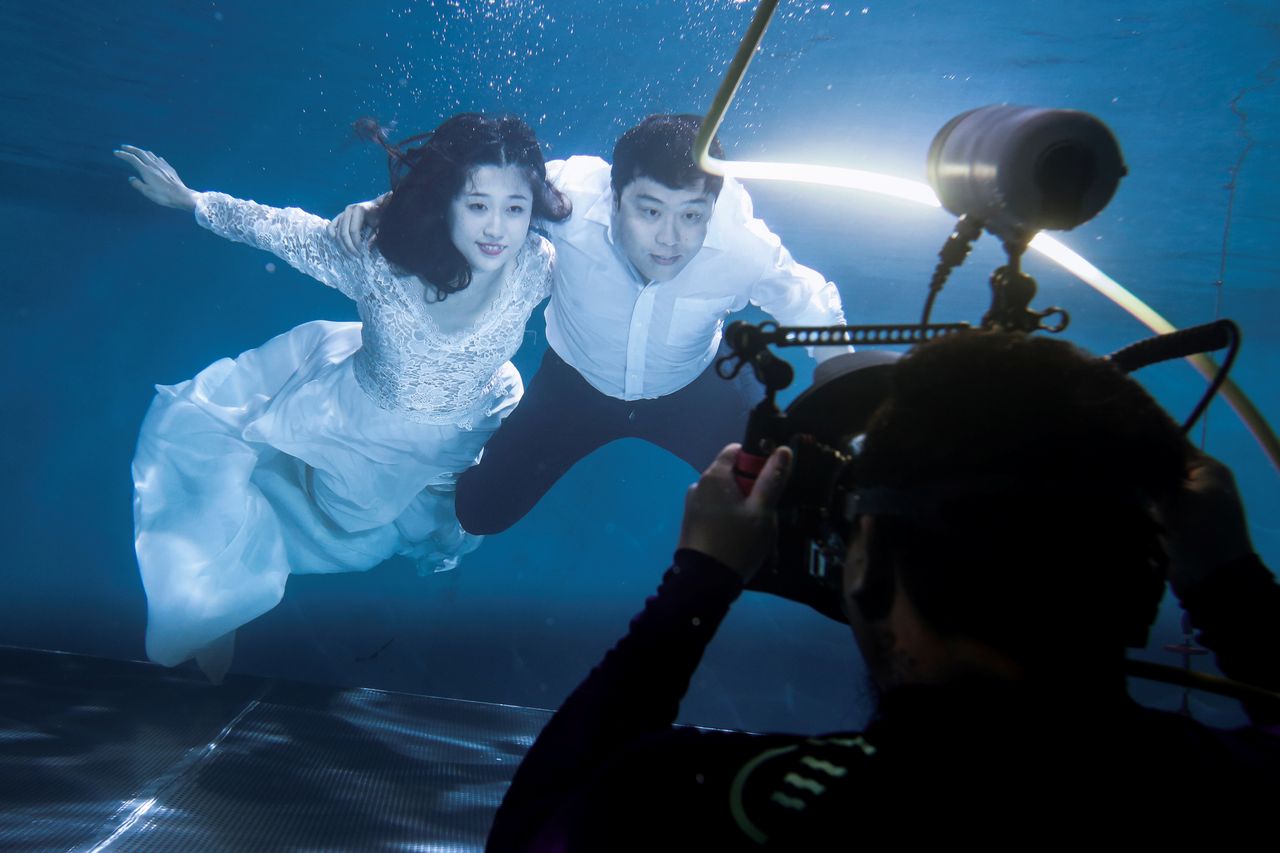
563	419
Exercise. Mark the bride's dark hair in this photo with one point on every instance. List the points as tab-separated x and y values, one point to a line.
429	170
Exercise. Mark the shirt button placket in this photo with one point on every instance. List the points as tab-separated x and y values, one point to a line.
638	342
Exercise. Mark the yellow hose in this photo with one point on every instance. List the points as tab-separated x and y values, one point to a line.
922	193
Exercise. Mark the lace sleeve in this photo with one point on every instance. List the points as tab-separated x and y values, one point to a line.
298	238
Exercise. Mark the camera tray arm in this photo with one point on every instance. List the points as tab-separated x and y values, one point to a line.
749	344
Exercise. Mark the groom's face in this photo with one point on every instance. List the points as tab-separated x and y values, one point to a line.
661	229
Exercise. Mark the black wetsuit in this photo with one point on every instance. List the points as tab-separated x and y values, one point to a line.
999	762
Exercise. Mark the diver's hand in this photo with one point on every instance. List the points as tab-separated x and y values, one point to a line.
350	226
719	521
1205	524
156	179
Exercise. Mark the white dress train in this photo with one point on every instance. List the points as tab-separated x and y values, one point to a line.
329	448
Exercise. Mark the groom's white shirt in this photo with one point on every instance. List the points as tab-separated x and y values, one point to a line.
633	339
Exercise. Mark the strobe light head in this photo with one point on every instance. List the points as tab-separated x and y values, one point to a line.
1023	169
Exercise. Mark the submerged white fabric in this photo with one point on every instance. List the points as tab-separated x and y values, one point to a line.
283	461
635	340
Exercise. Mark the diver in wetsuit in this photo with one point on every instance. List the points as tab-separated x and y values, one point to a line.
1021	507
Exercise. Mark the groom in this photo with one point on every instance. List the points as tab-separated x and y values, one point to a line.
654	257
656	254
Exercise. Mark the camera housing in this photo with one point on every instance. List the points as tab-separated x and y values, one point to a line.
820	426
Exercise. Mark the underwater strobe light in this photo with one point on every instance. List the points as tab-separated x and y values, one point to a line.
1022	169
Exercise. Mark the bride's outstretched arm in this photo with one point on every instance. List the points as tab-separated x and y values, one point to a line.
303	240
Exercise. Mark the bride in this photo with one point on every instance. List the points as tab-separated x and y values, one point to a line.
335	446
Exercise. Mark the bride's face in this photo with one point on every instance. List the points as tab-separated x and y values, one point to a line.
489	219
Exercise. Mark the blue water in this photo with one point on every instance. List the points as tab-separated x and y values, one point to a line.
107	295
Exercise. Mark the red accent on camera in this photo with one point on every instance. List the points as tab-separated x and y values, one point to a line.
746	468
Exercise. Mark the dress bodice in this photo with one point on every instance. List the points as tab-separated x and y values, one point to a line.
406	363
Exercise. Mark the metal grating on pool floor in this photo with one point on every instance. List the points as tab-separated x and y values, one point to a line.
111	755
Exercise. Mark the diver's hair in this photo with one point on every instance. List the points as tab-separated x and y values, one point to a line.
429	170
661	148
1047	549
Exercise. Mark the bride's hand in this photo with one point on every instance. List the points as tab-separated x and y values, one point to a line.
158	181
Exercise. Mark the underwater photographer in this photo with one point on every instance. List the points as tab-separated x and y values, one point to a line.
996	516
1013	504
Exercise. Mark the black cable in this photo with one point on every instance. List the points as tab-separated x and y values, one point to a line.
1198	339
953	252
1234	347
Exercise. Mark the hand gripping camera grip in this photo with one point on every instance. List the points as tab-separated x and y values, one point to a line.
747	468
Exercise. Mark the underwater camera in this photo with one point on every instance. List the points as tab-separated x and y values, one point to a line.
1008	170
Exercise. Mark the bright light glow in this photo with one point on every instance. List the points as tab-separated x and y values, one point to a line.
1075	264
921	193
833	176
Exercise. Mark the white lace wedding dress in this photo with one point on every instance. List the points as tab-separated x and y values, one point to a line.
330	448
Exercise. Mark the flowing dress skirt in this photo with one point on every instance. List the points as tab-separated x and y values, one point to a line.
276	463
